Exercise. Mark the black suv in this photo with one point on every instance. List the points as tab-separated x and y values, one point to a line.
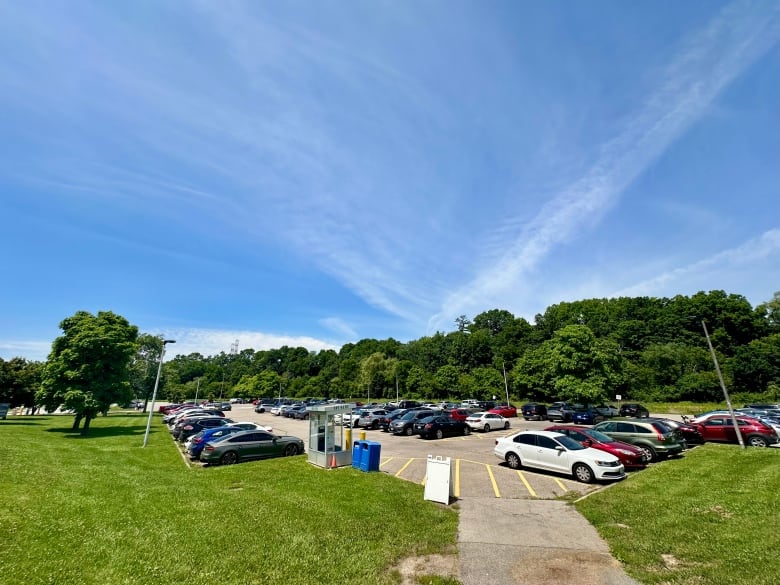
633	409
404	425
534	411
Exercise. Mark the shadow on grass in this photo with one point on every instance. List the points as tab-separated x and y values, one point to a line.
22	421
97	432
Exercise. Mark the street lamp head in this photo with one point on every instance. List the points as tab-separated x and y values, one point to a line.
169	341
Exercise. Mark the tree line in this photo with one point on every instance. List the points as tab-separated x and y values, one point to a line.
642	348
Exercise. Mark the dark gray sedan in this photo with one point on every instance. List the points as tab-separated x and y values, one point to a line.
247	445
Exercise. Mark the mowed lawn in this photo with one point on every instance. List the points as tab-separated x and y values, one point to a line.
103	510
709	518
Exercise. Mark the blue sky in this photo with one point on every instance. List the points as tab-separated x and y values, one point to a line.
315	173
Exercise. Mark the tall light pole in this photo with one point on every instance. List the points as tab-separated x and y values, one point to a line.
154	392
278	371
506	384
723	386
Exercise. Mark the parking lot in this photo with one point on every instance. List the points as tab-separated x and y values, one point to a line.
477	471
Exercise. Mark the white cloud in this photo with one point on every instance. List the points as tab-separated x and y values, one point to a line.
209	342
339	326
701	275
709	62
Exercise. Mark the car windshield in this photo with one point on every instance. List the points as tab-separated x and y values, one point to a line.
569	443
599	436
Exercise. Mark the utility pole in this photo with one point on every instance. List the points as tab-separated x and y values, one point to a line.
723	387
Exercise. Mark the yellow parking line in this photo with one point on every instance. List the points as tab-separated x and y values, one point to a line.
527	485
407	464
457	478
493	480
560	483
386	461
425	477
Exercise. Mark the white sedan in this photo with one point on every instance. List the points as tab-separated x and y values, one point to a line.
486	421
557	452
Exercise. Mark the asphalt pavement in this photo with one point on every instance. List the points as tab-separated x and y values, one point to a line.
532	542
506	536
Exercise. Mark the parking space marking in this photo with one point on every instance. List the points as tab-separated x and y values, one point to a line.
493	480
386	461
407	464
560	483
527	485
457	478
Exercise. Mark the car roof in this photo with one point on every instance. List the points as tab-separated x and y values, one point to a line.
551	434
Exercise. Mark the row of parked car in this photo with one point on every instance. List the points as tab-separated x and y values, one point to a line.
580	413
605	450
211	437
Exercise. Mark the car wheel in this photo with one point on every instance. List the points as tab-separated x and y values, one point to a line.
291	450
466	430
439	434
506	425
409	431
597	419
583	473
649	451
513	460
229	458
486	428
757	441
375	425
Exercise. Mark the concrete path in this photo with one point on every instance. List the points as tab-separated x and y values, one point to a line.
532	542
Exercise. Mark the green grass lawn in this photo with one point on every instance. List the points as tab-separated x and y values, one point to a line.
103	510
712	517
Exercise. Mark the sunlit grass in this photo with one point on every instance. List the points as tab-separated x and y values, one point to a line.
710	517
104	510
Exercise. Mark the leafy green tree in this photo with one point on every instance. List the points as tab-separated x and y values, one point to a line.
489	381
756	365
573	365
19	380
87	369
419	383
446	378
770	313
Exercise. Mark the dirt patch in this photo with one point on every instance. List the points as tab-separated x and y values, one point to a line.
563	567
441	565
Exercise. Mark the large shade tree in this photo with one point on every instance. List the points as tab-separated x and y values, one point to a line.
87	369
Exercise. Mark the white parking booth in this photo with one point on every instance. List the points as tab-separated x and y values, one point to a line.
327	447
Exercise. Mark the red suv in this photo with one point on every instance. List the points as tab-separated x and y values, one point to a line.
720	427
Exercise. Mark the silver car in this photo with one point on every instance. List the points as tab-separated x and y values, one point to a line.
371	419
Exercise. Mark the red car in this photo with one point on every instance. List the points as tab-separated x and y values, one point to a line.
460	414
505	410
719	427
630	456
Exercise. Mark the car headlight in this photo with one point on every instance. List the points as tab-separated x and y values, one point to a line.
607	463
625	452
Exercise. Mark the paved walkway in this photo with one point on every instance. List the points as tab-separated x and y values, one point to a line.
532	542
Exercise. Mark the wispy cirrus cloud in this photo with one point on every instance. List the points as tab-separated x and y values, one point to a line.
728	266
706	64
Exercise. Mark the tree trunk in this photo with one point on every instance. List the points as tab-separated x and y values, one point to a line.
85	430
76	422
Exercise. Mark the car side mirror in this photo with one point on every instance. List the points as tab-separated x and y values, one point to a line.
587	443
560	448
